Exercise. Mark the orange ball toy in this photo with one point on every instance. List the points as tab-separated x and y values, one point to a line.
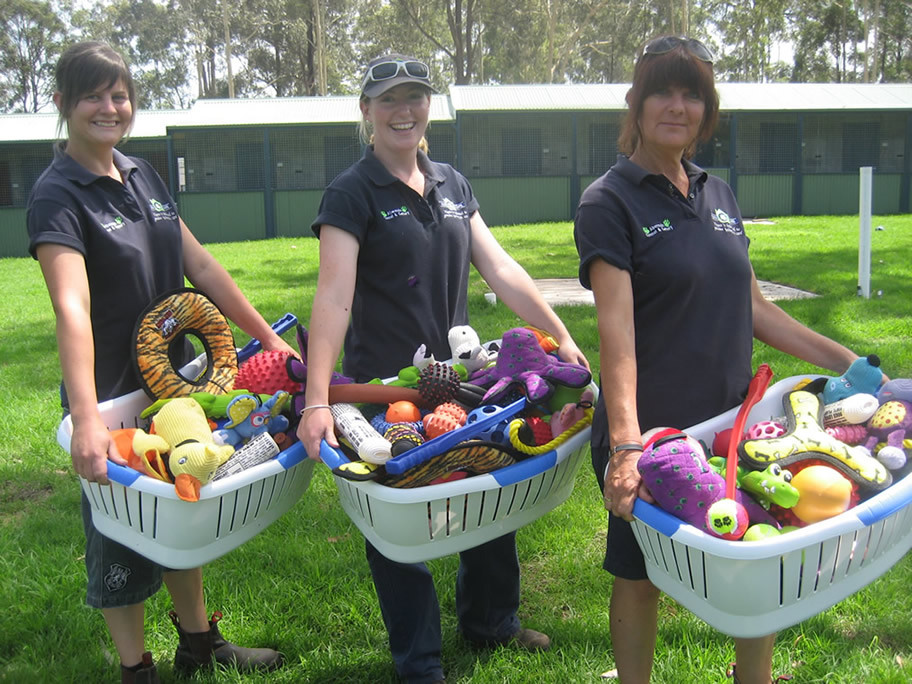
402	412
825	492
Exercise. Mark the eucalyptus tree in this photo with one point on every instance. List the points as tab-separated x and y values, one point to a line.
749	30
152	37
29	47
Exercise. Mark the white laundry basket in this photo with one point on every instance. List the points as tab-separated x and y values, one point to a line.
418	524
146	514
749	589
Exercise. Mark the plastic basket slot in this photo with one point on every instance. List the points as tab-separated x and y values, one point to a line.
367	504
271	494
540	481
465	512
514	489
481	507
126	506
859	550
497	504
525	497
219	517
695	585
260	488
246	494
677	561
111	503
826	559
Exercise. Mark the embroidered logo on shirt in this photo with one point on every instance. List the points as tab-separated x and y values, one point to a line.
453	209
663	227
116	224
162	211
725	223
390	214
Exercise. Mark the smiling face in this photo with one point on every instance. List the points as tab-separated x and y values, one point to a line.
671	119
100	117
399	117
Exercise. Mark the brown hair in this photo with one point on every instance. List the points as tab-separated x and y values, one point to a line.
86	67
655	72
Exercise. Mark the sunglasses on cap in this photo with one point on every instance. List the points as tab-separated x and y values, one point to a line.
384	71
660	46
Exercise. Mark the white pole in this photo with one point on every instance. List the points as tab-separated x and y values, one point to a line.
864	231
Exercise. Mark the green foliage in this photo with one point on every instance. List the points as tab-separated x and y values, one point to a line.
303	584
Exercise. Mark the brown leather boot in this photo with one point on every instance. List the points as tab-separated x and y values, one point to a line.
145	673
196	651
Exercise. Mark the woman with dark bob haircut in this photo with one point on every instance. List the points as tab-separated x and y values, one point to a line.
109	241
663	249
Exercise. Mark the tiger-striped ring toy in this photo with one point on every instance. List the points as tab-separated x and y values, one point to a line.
160	334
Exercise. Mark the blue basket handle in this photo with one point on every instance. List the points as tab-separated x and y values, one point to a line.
291	456
122	474
284	324
331	457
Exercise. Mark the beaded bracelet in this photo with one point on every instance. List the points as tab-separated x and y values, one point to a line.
626	446
313	406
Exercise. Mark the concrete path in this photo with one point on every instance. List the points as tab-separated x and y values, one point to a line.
563	291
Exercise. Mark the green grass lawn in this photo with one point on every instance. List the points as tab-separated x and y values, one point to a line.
303	585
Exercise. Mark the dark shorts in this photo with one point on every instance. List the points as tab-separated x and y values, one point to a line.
623	557
117	575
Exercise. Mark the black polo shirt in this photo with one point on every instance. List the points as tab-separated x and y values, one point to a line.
129	234
691	276
413	264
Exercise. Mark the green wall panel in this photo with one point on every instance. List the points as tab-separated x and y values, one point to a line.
13	233
224	216
506	201
724	174
295	210
829	194
766	195
837	193
886	193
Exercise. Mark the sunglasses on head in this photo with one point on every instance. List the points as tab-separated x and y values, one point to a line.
384	71
668	43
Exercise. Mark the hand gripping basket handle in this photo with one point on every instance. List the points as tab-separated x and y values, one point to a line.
284	324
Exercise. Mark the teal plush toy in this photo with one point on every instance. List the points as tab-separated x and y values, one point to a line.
862	377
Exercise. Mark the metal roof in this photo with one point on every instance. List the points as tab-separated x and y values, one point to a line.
780	97
43	126
733	97
290	111
556	97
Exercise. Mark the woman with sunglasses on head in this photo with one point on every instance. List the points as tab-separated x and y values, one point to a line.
663	249
109	242
398	233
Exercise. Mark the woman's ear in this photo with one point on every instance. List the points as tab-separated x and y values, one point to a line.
364	104
58	97
628	96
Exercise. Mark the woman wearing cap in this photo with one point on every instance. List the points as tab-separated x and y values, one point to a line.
397	235
109	242
662	247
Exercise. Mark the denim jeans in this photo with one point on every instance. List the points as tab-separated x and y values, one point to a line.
487	598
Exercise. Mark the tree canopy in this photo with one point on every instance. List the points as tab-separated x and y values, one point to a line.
183	49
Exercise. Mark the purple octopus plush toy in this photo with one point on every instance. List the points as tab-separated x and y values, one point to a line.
675	471
523	365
